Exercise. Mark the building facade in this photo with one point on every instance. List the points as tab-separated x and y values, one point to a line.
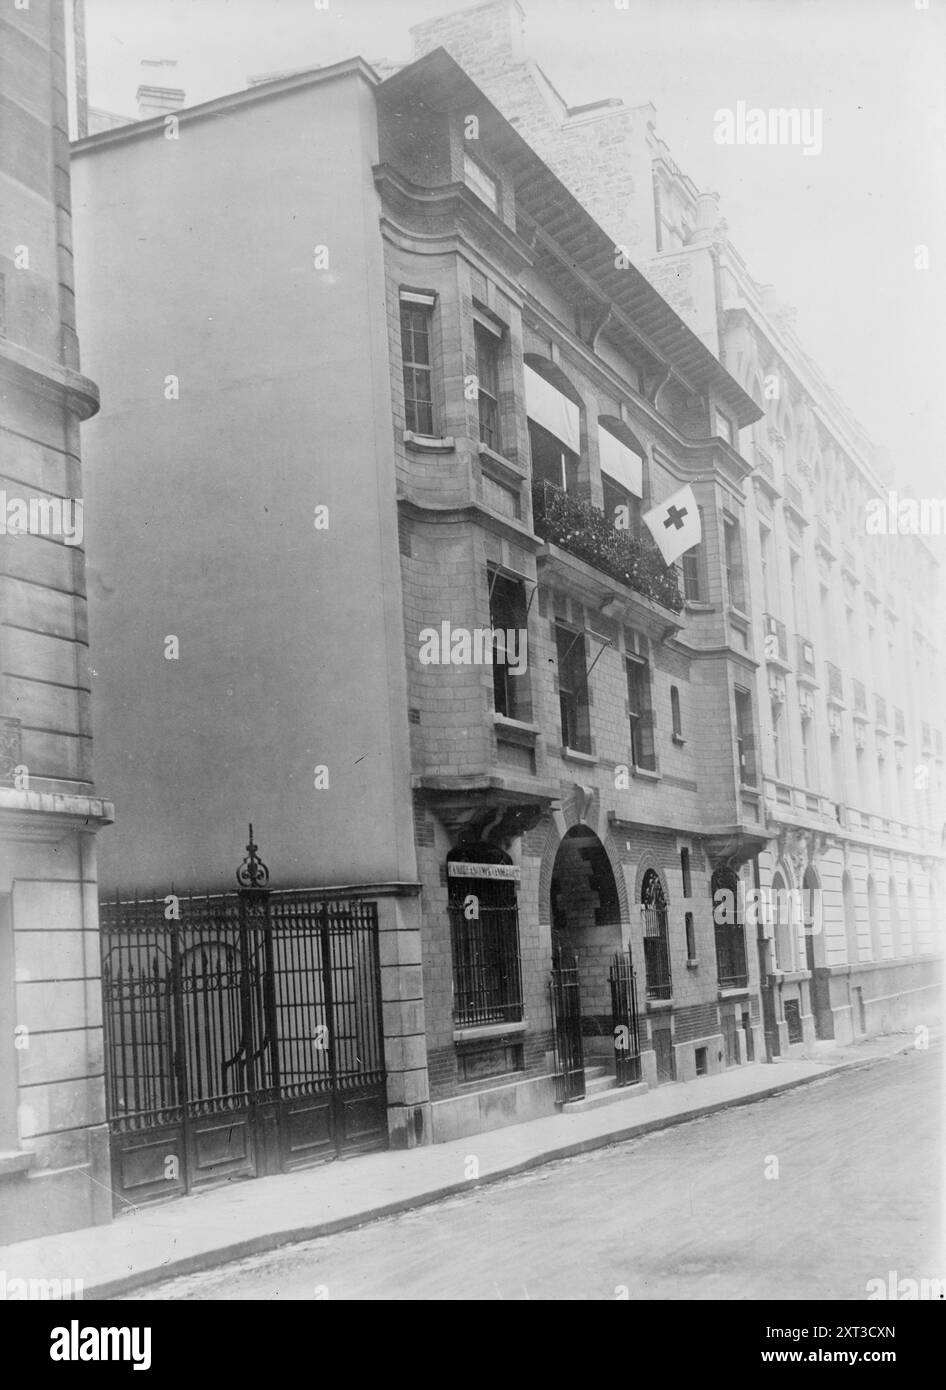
847	610
54	1165
444	354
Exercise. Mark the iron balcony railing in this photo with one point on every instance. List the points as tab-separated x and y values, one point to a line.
835	681
585	532
10	748
763	463
776	640
860	697
880	711
731	969
899	724
656	955
805	657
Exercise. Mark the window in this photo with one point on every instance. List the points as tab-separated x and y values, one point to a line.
482	184
640	714
415	351
691	561
487	980
806	767
654	921
765	542
724	427
487	376
784	924
731	968
745	737
675	714
690	935
777	748
799	609
552	462
573	689
733	547
616	496
685	871
507	610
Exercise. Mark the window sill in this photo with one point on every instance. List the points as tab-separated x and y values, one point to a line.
740	992
574	755
499	468
693	965
515	730
678	739
15	1161
644	773
697	605
739	615
429	444
656	1005
481	1032
747	789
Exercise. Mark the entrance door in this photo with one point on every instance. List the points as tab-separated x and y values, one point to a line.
769	1023
663	1047
565	994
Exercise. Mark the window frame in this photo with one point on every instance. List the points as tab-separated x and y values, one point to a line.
413	370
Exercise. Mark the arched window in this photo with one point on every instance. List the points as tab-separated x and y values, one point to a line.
784	924
850	919
895	923
873	918
656	947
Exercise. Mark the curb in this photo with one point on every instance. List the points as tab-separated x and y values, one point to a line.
275	1240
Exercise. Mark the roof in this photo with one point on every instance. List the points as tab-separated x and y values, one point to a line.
437	82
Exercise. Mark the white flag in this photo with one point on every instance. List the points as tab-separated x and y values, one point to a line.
675	524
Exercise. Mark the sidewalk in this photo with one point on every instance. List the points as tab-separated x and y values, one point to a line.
204	1231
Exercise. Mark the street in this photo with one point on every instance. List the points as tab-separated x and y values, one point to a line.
809	1194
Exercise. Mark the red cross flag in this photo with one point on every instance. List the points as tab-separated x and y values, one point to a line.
675	524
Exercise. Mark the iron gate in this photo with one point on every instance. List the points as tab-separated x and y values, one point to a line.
243	1034
565	993
625	1028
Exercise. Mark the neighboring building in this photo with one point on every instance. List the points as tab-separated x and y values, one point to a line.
847	626
346	303
54	1163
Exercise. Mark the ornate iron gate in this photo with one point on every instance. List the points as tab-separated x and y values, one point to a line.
565	994
625	1028
243	1034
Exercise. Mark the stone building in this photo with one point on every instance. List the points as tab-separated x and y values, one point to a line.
410	325
846	618
54	1166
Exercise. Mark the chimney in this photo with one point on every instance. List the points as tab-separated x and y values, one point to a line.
158	101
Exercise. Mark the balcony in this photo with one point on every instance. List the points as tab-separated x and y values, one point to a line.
899	725
835	683
805	660
764	473
585	532
776	641
860	699
793	501
880	712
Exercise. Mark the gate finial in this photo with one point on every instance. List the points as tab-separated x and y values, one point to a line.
252	873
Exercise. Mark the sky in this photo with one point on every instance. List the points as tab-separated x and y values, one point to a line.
836	233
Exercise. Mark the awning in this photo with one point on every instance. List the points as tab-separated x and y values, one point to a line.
553	411
623	465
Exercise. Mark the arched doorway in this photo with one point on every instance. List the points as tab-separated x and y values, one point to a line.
820	982
783	924
592	984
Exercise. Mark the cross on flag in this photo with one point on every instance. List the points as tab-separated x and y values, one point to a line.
675	524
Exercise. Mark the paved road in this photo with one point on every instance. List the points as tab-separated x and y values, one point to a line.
688	1213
